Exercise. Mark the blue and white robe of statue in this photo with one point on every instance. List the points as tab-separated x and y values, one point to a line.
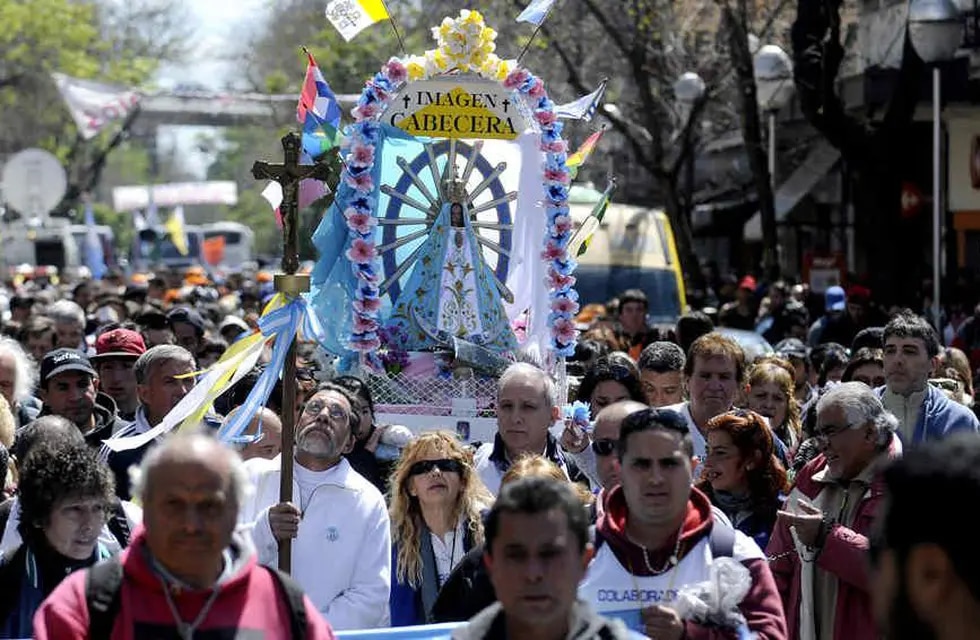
451	292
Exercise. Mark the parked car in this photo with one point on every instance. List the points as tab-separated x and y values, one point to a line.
754	345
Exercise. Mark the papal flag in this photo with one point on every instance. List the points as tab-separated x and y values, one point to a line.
350	17
175	229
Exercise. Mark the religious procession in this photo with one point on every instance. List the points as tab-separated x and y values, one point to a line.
536	320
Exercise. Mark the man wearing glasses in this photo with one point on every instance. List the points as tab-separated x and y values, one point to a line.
337	520
819	544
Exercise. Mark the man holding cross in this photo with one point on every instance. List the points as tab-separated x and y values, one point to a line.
337	521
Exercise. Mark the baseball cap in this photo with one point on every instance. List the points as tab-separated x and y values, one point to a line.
190	316
61	360
119	343
791	348
152	318
233	321
835	299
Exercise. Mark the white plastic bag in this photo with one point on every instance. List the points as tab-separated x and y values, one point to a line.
715	601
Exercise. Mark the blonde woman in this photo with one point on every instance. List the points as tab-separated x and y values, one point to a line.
769	392
437	501
469	590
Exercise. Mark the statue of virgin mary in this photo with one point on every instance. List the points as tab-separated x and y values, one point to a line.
452	291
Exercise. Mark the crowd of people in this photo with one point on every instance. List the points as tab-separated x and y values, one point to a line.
803	494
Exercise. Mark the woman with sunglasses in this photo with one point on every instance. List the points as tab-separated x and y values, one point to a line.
436	505
742	475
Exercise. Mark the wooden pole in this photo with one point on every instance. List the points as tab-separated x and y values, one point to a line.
290	284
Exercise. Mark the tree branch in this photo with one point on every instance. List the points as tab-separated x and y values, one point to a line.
614	34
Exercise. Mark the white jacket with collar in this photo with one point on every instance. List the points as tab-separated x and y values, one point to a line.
342	553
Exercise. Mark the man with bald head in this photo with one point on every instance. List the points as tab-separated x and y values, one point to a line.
186	571
269	427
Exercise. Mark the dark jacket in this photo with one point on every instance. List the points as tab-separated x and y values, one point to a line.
467	591
410	605
107	420
585	624
367	464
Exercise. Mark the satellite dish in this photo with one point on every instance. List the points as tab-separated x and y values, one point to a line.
33	182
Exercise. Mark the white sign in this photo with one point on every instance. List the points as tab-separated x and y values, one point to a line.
34	182
459	108
130	198
94	104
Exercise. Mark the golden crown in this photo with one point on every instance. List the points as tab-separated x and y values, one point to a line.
455	189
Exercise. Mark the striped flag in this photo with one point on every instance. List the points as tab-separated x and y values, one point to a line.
318	111
580	241
536	12
585	107
350	17
578	158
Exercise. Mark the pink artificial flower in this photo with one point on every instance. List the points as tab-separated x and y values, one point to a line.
545	118
396	71
516	78
372	344
562	224
365	111
364	324
361	182
361	155
367	305
361	252
362	223
537	89
556	280
553	251
564	305
564	331
558	146
560	177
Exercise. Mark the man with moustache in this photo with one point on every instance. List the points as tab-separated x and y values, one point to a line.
925	576
337	520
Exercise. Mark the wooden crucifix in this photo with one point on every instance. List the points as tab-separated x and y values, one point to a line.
288	175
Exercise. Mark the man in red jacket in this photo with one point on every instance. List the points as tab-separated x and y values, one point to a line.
659	535
185	572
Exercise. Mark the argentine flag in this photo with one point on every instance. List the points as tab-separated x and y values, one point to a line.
536	12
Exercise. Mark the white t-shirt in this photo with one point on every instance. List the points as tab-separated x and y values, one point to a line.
448	551
308	481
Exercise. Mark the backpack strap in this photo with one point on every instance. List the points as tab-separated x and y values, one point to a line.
103	589
293	593
118	524
721	540
5	508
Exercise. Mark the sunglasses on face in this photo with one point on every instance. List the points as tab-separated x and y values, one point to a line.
445	465
604	446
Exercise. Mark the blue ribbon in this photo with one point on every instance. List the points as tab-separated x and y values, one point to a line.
283	324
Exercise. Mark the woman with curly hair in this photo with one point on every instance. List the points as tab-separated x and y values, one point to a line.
436	504
64	494
742	474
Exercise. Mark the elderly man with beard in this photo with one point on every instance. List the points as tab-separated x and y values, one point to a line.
925	576
338	521
818	549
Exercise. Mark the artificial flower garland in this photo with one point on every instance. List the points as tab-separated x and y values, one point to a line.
465	44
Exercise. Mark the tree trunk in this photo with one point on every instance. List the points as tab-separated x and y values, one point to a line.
680	221
738	44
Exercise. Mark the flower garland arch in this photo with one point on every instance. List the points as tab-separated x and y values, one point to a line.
465	44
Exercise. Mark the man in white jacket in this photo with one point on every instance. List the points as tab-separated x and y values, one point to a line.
337	520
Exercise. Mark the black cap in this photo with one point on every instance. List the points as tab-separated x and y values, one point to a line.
791	348
152	318
185	314
61	360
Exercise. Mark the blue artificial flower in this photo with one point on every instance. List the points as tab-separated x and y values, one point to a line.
382	82
558	192
570	294
362	204
563	350
369	131
546	104
566	267
367	97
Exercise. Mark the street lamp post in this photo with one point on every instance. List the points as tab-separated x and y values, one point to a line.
688	89
774	88
936	32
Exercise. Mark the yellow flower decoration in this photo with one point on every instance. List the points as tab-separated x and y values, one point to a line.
464	42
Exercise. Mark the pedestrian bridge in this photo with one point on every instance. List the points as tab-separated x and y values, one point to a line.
222	109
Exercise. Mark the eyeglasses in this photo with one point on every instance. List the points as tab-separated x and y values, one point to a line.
604	446
874	383
316	407
445	465
822	436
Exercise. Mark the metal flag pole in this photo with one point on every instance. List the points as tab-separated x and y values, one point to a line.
537	30
291	284
937	203
394	27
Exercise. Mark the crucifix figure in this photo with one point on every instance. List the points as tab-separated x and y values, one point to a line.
288	175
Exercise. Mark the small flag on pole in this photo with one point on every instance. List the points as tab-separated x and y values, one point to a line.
582	237
536	12
578	158
94	254
175	229
585	107
318	111
273	195
350	17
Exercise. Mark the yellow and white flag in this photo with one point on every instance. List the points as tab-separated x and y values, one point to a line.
175	229
350	17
